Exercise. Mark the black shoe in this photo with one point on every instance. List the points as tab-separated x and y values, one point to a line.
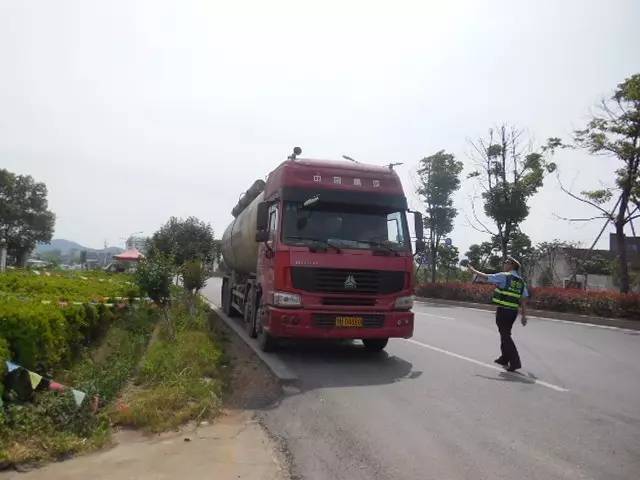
513	368
501	361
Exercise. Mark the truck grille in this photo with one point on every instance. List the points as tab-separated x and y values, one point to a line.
346	301
328	320
338	280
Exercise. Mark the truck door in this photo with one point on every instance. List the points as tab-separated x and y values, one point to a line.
266	258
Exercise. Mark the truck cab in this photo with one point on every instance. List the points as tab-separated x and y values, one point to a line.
334	257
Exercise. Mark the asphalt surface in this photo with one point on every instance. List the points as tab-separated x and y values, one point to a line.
436	407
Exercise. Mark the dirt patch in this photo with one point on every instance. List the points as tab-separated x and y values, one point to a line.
252	385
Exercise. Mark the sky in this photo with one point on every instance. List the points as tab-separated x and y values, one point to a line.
135	111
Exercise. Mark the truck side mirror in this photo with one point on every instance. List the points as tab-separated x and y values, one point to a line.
262	222
420	246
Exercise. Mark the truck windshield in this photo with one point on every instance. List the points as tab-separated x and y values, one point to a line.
347	226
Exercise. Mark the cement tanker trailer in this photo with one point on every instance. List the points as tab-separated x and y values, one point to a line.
239	246
322	250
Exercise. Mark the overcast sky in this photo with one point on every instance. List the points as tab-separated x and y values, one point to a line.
133	111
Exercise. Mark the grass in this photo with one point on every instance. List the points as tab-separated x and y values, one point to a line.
180	379
50	426
175	380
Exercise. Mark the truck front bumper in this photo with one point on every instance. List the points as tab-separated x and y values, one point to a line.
300	323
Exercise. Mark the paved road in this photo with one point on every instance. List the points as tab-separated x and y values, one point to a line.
434	407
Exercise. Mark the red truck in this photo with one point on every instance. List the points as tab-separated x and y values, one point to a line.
322	250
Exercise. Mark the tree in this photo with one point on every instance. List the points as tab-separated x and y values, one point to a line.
83	258
194	278
153	277
439	179
615	132
489	256
184	240
584	262
448	259
483	256
53	257
24	215
546	257
509	173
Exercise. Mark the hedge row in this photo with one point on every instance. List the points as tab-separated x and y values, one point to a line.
66	286
598	303
41	337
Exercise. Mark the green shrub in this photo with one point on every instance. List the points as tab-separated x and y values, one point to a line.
599	303
194	276
5	355
51	425
66	286
37	334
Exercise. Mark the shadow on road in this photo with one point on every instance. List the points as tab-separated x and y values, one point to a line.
322	364
511	377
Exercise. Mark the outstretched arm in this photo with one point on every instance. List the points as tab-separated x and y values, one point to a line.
477	272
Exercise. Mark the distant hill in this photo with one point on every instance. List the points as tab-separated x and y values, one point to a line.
66	246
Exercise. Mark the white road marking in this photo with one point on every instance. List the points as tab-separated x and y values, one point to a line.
492	367
435	316
570	322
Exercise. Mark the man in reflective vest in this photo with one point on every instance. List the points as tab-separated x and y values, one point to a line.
510	294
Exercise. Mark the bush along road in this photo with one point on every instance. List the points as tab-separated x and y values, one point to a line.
605	304
68	343
100	367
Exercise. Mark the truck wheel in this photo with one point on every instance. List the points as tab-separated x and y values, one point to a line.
250	315
266	342
375	344
226	298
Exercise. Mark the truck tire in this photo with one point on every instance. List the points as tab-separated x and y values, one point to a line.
375	344
226	297
266	342
250	314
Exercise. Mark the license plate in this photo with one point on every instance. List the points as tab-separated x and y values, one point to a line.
349	321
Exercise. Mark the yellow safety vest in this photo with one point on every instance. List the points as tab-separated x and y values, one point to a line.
510	295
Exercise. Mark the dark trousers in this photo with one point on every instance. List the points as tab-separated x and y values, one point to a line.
504	319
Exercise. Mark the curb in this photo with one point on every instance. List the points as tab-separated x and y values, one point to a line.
271	360
544	314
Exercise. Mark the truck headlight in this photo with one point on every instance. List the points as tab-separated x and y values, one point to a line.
285	299
404	303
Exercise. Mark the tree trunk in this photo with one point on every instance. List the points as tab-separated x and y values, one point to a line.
622	256
21	258
434	256
433	266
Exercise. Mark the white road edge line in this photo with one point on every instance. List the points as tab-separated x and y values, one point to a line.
492	367
570	322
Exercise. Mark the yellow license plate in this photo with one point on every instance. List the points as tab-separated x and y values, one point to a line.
349	321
